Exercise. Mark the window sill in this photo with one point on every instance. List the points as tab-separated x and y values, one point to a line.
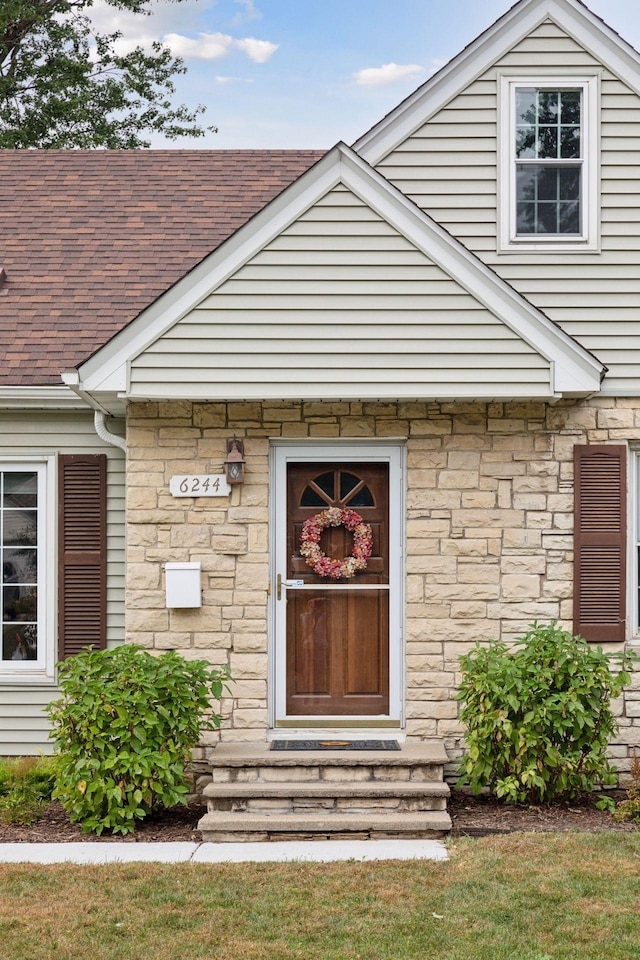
549	246
35	678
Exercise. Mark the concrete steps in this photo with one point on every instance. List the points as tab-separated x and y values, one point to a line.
259	794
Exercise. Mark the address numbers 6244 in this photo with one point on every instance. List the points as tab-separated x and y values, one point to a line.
203	485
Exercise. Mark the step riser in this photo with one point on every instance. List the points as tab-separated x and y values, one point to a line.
338	774
214	836
327	805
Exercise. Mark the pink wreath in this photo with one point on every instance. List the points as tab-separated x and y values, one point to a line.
326	566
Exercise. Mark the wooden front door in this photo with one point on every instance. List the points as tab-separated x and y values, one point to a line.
337	632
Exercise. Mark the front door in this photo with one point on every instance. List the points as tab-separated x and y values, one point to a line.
334	635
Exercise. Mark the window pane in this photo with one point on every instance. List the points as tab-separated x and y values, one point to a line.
548	124
547	147
19	603
569	142
548	199
20	642
526	142
347	482
525	105
548	183
20	490
548	106
363	498
312	499
568	183
526	218
570	109
20	566
526	181
19	585
19	528
547	218
569	218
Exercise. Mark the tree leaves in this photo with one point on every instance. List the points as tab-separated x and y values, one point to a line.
63	84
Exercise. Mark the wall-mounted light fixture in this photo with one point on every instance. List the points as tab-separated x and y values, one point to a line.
234	464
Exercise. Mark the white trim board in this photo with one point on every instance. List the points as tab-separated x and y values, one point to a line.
573	371
571	16
40	398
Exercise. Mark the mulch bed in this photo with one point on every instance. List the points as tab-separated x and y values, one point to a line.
484	815
471	816
177	823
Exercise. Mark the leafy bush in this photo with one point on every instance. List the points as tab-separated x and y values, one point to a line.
26	785
629	809
124	728
539	717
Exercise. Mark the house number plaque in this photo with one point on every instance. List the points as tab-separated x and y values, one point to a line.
203	485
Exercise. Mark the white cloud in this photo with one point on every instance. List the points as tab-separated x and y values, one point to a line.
166	16
257	50
224	80
161	26
387	73
206	46
250	12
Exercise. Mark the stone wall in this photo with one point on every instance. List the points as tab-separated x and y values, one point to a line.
489	534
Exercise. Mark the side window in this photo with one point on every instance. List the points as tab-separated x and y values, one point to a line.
27	628
549	164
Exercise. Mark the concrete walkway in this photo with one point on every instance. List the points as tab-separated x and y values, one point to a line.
278	851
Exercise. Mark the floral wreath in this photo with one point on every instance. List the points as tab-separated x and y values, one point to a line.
326	566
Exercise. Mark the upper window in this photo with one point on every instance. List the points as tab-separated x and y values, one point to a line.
26	629
549	164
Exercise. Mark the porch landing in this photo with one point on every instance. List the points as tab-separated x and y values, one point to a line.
260	794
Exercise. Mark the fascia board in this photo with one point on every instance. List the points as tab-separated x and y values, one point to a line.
575	367
107	368
598	38
40	398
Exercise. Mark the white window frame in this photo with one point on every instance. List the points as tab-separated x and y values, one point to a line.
588	240
41	670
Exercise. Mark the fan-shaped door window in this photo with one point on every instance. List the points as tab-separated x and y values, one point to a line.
337	488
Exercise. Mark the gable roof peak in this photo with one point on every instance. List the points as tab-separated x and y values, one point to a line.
573	16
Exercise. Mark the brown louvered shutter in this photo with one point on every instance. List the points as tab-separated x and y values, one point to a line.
82	552
600	542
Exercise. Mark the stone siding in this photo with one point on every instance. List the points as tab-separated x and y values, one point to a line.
489	534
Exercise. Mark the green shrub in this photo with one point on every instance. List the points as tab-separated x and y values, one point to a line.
26	785
124	728
539	717
629	809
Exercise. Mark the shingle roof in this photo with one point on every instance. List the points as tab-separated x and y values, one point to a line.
89	238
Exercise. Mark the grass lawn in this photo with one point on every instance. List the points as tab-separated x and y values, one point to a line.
517	897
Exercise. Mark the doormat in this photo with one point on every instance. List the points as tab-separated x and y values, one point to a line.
335	745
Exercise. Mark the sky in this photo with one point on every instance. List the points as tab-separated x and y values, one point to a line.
308	73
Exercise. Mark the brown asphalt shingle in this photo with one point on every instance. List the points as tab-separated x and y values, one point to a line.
89	238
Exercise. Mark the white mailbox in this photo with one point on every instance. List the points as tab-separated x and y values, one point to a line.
184	588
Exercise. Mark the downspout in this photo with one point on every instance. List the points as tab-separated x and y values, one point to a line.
106	435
